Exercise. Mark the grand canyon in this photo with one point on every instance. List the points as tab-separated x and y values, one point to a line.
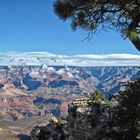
27	91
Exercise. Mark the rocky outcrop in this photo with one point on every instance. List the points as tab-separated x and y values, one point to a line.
86	117
84	122
10	91
56	86
85	78
17	108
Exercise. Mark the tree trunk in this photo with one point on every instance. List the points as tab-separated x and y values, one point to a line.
136	42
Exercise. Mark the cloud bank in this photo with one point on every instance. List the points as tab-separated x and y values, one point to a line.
40	58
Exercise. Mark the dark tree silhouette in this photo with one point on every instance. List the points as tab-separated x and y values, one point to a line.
95	15
125	121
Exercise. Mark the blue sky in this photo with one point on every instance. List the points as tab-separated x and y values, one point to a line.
31	25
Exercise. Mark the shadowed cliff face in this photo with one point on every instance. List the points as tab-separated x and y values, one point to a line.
17	104
17	108
85	78
31	83
85	119
33	90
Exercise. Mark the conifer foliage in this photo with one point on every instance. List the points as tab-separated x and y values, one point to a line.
94	15
125	122
97	119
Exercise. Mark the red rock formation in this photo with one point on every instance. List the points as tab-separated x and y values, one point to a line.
64	108
19	107
9	90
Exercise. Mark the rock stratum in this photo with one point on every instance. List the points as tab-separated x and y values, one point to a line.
27	91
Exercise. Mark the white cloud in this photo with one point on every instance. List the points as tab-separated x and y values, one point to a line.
70	75
34	74
61	71
39	58
109	56
66	71
48	69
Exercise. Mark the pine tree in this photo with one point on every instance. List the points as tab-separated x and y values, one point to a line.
125	122
94	15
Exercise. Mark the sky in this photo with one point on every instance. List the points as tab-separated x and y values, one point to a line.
32	26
